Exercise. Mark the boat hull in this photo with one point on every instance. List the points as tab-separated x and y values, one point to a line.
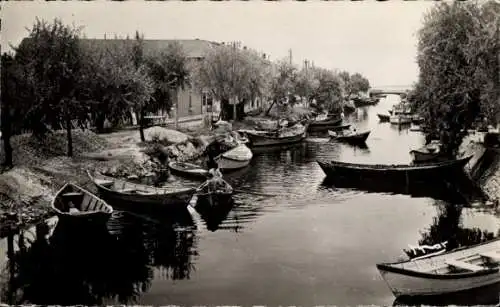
96	210
383	117
405	285
354	139
189	171
263	140
227	164
399	172
161	201
324	124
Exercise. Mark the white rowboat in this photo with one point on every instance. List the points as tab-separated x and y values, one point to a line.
455	271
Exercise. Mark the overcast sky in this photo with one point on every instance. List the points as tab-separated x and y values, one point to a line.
377	39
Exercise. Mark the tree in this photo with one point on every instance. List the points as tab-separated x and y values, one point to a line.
112	84
458	59
12	102
169	71
358	83
328	94
231	75
52	55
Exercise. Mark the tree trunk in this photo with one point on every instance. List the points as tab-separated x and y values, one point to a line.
99	122
68	134
270	107
6	134
140	118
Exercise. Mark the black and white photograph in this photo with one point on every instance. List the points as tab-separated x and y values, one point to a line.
250	153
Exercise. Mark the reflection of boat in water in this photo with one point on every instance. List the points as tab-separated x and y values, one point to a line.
454	271
416	189
214	215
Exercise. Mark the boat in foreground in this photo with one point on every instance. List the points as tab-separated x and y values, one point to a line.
236	158
349	137
454	271
188	170
214	192
291	135
125	191
75	203
405	171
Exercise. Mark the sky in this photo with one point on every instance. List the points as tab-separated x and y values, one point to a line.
376	39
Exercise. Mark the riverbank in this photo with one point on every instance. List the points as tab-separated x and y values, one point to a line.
41	167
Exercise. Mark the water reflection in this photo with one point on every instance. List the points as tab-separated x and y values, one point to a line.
454	190
484	296
446	226
214	214
88	266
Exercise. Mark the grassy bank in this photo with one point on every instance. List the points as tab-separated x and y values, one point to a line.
41	167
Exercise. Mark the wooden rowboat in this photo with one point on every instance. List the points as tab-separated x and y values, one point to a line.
401	171
221	194
188	170
128	192
268	138
324	124
427	153
451	272
236	158
384	117
86	206
353	138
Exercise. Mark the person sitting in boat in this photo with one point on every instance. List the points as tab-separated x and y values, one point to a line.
215	181
72	208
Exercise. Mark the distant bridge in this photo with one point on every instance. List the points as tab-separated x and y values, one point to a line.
391	90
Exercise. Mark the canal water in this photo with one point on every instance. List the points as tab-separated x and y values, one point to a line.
291	238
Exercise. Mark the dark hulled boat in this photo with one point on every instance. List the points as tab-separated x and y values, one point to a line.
188	170
352	138
401	171
122	191
324	124
383	117
271	138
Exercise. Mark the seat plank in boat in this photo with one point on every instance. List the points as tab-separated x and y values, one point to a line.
104	182
493	255
127	190
72	194
464	265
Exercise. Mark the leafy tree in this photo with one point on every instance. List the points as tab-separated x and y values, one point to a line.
52	56
170	72
231	74
14	98
346	83
457	56
112	84
306	84
328	95
358	83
